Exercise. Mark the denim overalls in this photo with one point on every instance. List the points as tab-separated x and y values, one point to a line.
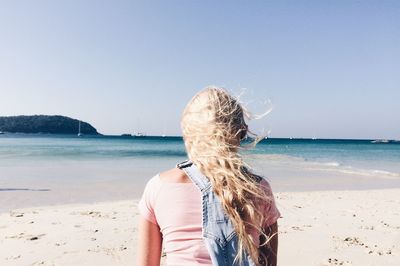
218	231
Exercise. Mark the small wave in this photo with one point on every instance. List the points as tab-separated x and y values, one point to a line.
374	173
335	164
361	172
300	163
383	172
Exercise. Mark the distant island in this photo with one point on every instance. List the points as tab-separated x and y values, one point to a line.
50	124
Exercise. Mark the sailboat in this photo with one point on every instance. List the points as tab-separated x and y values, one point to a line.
79	132
163	134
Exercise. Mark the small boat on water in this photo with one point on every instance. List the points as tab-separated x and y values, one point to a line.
79	132
134	135
139	135
380	141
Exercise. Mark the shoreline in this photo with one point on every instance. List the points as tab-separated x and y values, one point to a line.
353	227
88	202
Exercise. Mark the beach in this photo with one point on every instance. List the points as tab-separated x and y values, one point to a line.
315	228
99	97
67	200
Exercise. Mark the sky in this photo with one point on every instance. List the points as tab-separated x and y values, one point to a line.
330	69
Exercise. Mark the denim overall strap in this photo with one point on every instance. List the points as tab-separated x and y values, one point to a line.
200	180
218	231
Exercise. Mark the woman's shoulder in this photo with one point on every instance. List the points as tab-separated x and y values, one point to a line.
174	175
152	185
265	186
170	177
264	182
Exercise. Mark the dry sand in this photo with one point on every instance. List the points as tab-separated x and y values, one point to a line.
316	228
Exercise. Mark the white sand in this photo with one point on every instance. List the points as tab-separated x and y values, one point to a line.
316	228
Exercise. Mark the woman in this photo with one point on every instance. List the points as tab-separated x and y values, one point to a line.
210	210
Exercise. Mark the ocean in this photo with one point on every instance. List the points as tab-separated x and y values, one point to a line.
54	169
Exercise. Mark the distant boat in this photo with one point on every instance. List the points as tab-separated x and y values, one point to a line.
79	132
163	134
126	135
380	141
139	134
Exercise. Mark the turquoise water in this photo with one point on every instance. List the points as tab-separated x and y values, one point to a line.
356	153
367	154
63	169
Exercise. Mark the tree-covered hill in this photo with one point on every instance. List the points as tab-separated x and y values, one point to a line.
54	124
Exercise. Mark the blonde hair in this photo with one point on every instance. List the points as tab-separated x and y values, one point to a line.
213	124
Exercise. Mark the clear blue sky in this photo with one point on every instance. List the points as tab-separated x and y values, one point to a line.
330	68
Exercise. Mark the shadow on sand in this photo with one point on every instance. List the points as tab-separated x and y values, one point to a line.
24	189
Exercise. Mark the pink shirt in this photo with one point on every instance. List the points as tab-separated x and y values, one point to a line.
176	209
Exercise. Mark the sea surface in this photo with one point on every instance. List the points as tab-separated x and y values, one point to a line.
53	169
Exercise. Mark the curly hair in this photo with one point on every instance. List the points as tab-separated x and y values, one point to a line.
213	125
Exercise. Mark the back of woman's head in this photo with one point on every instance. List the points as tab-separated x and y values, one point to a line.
213	124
